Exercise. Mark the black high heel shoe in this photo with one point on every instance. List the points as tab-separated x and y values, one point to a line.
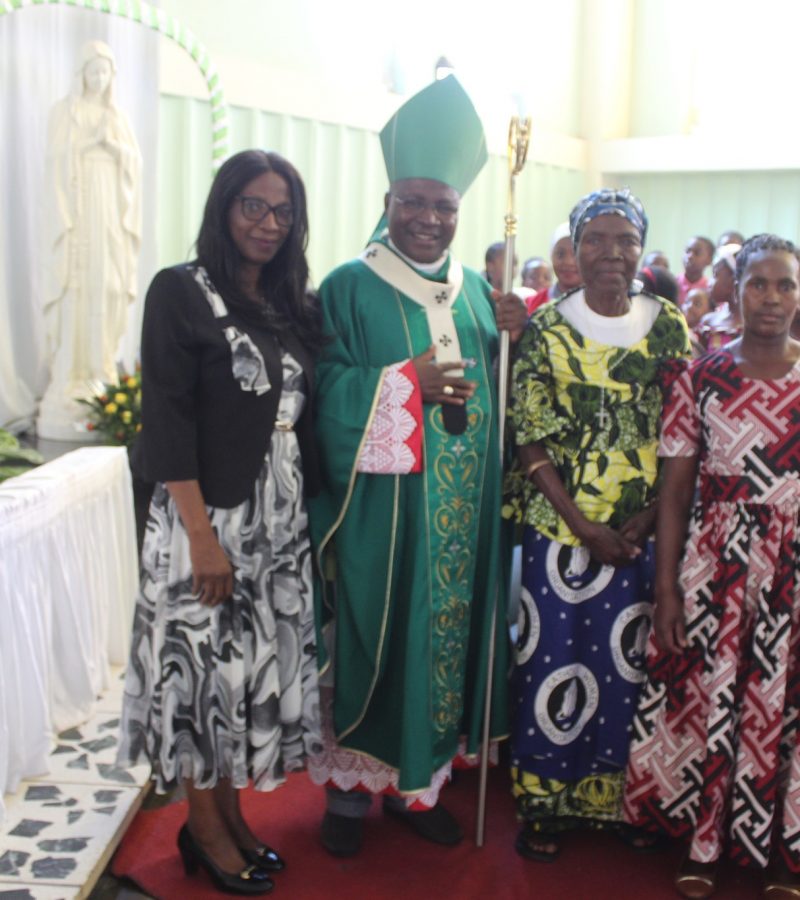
264	857
251	880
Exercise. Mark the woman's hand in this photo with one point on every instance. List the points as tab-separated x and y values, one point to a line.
606	545
511	314
212	574
674	503
669	622
603	543
436	385
639	527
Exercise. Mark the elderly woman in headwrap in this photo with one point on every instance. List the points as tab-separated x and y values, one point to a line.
586	401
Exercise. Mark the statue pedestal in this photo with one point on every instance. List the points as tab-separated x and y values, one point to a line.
62	417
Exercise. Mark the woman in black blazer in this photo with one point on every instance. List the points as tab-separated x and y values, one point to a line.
222	685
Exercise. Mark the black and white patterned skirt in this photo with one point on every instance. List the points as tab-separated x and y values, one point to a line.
228	691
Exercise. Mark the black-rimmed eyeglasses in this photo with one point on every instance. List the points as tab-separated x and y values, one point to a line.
444	210
254	209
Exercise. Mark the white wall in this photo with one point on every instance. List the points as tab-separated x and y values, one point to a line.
680	97
675	75
712	87
701	64
354	62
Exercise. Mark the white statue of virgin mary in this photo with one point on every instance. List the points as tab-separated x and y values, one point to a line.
94	234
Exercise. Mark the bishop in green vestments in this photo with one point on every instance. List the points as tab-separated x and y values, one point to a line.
407	531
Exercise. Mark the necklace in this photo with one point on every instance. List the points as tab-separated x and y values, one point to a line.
601	416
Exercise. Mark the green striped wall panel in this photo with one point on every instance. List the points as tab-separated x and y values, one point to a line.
682	204
345	179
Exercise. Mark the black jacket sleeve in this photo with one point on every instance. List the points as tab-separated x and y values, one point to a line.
171	360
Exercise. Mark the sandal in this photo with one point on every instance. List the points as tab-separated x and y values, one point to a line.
780	883
640	840
696	880
533	844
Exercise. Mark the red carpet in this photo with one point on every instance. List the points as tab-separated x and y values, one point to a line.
395	864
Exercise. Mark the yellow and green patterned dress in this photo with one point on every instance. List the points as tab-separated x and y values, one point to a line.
595	407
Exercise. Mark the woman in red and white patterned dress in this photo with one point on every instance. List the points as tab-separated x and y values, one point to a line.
716	749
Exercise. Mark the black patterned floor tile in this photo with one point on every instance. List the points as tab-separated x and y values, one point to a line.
105	810
29	828
81	762
114	773
64	845
42	792
99	745
50	867
11	861
55	859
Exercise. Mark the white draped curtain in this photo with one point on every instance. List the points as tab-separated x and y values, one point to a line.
39	47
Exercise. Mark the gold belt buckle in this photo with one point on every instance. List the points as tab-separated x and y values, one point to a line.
283	425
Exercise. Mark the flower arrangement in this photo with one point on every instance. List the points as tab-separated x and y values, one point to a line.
116	411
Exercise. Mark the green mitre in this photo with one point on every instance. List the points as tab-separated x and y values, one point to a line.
436	134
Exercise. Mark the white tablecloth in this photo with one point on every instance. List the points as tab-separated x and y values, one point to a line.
68	580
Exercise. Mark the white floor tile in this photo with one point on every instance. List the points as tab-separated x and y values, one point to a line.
36	892
87	755
58	833
59	830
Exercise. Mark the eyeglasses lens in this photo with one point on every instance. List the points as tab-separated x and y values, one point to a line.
255	210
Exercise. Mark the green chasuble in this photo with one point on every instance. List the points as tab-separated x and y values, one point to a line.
413	562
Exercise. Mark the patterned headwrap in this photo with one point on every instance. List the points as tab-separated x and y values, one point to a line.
607	202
